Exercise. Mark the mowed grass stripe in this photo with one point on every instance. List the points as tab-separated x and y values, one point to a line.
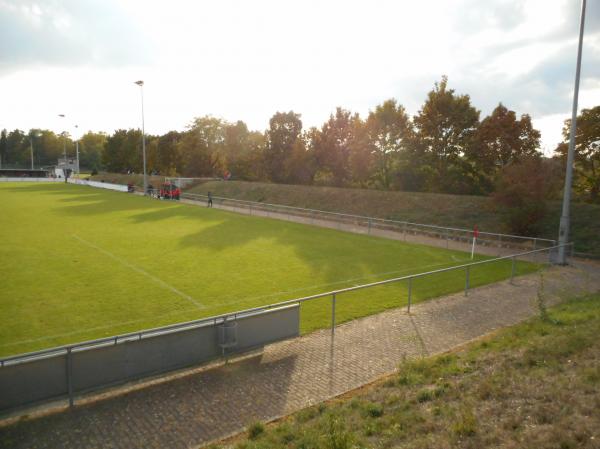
55	290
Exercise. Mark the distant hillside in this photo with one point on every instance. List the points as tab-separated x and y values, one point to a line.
462	211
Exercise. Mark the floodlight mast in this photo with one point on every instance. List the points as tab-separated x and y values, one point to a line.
563	233
64	141
141	84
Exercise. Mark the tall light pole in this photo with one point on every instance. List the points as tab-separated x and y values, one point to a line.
563	233
141	84
32	134
77	151
64	141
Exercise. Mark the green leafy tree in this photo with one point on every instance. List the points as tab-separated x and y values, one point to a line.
202	147
388	128
333	145
587	153
445	127
123	151
91	147
169	159
501	139
3	146
284	130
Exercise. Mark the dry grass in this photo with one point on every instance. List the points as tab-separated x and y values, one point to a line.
533	385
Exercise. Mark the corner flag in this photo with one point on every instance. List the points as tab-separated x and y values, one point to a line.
475	235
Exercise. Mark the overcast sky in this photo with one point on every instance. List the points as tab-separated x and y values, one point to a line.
245	60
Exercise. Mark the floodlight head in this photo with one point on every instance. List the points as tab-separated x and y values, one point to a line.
139	83
61	115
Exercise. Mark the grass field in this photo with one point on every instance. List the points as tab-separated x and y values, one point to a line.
78	263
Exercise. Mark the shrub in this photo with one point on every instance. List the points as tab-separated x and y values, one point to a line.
255	430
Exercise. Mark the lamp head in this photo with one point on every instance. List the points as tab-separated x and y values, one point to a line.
139	83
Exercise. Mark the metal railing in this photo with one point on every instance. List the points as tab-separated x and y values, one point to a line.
369	224
148	333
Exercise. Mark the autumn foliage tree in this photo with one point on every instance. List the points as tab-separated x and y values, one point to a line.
587	153
521	195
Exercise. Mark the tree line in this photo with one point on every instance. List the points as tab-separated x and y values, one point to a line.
446	147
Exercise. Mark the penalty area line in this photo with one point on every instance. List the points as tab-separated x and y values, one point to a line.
140	271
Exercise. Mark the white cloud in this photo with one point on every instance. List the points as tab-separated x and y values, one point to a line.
246	60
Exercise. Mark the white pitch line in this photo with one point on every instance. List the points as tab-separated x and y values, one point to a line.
141	271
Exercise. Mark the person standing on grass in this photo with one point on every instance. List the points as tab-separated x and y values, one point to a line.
209	200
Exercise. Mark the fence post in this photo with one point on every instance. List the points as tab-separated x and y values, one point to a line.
447	241
409	293
534	244
332	314
70	377
512	271
369	230
404	232
500	245
467	280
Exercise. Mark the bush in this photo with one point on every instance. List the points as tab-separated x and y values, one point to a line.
255	430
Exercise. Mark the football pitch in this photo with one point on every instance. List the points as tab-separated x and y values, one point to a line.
78	263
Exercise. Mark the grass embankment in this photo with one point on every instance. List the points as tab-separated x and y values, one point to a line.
536	384
461	211
82	263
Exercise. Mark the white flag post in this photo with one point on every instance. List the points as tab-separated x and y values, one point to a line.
475	235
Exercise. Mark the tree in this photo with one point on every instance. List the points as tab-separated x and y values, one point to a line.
445	127
123	151
3	147
521	195
169	160
91	147
388	128
332	147
587	153
501	139
202	147
284	130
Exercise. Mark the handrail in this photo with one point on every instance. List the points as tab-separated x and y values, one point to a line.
89	344
363	217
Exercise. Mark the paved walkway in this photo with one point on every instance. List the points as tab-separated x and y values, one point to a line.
191	408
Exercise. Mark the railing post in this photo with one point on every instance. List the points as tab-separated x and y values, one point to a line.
500	245
467	280
404	232
534	244
512	271
369	229
70	377
332	314
409	293
447	240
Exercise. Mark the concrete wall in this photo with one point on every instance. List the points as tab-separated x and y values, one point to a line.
25	179
101	185
89	367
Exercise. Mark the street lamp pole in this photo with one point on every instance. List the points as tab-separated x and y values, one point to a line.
141	84
64	141
31	148
77	151
563	233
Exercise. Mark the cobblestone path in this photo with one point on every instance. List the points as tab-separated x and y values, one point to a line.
193	407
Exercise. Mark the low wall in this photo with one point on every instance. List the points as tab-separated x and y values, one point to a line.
102	185
25	179
66	371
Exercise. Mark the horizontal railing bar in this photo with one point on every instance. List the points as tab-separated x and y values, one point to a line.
59	350
363	217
